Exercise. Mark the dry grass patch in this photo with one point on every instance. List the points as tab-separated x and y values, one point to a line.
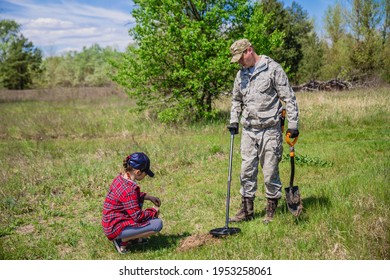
196	241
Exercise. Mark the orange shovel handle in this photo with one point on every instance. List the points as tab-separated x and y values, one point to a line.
288	140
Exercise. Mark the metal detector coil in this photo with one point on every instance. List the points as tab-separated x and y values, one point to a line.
220	232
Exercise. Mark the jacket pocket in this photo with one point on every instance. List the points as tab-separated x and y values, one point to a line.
263	85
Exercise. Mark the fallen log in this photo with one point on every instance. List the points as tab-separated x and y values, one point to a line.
331	85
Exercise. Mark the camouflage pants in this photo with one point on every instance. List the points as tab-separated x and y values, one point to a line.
264	146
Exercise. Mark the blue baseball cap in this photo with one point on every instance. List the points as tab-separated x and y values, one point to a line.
141	162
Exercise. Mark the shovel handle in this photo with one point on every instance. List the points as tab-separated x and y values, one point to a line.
288	140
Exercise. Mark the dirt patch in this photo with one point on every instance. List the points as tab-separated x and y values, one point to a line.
196	240
64	251
26	229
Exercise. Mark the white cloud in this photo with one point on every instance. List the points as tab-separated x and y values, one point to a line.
96	12
68	25
49	23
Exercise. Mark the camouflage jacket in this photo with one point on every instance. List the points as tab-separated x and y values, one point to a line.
257	97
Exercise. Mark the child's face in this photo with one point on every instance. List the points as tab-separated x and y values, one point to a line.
139	175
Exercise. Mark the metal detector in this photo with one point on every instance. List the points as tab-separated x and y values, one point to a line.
226	230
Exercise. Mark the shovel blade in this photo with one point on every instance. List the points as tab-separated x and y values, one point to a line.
293	199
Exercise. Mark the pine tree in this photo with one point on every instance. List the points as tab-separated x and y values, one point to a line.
20	60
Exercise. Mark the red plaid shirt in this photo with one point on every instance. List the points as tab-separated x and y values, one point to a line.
123	207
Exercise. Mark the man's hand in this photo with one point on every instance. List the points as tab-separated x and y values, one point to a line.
233	128
293	133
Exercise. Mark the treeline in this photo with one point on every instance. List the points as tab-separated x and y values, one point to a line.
354	46
179	62
357	42
179	65
23	66
90	67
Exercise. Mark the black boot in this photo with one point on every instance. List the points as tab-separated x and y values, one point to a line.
270	210
246	212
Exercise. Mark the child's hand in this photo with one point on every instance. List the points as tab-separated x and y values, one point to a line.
158	211
156	201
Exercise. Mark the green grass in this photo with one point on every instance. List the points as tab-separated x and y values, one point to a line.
60	150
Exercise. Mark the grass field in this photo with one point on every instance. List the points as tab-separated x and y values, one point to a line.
60	150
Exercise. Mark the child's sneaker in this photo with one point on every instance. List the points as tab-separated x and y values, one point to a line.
120	246
123	247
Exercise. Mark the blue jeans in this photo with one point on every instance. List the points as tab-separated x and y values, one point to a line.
155	225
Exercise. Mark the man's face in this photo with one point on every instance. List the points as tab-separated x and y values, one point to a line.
247	60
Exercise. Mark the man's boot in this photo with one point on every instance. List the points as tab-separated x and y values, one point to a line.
270	210
246	212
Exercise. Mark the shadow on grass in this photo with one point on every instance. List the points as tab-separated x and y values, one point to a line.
160	241
311	202
219	116
315	202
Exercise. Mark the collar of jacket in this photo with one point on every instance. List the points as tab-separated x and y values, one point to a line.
260	66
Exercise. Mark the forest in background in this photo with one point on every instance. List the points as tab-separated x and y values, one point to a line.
180	56
355	47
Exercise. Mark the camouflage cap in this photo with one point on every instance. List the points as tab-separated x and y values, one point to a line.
237	48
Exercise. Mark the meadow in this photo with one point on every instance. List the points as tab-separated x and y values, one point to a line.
61	148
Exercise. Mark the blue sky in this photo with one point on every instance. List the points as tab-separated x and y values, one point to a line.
58	26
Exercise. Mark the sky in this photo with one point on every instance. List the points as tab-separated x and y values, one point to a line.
58	26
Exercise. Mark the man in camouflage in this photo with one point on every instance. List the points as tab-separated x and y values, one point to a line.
260	87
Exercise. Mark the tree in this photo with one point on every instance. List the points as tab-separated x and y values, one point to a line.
90	67
312	60
180	63
386	21
364	21
8	32
20	60
385	57
295	24
337	45
257	31
357	45
385	70
334	23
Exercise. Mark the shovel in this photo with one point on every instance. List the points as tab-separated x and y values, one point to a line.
293	197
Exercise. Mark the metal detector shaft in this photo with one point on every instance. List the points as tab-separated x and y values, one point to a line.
226	230
229	178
